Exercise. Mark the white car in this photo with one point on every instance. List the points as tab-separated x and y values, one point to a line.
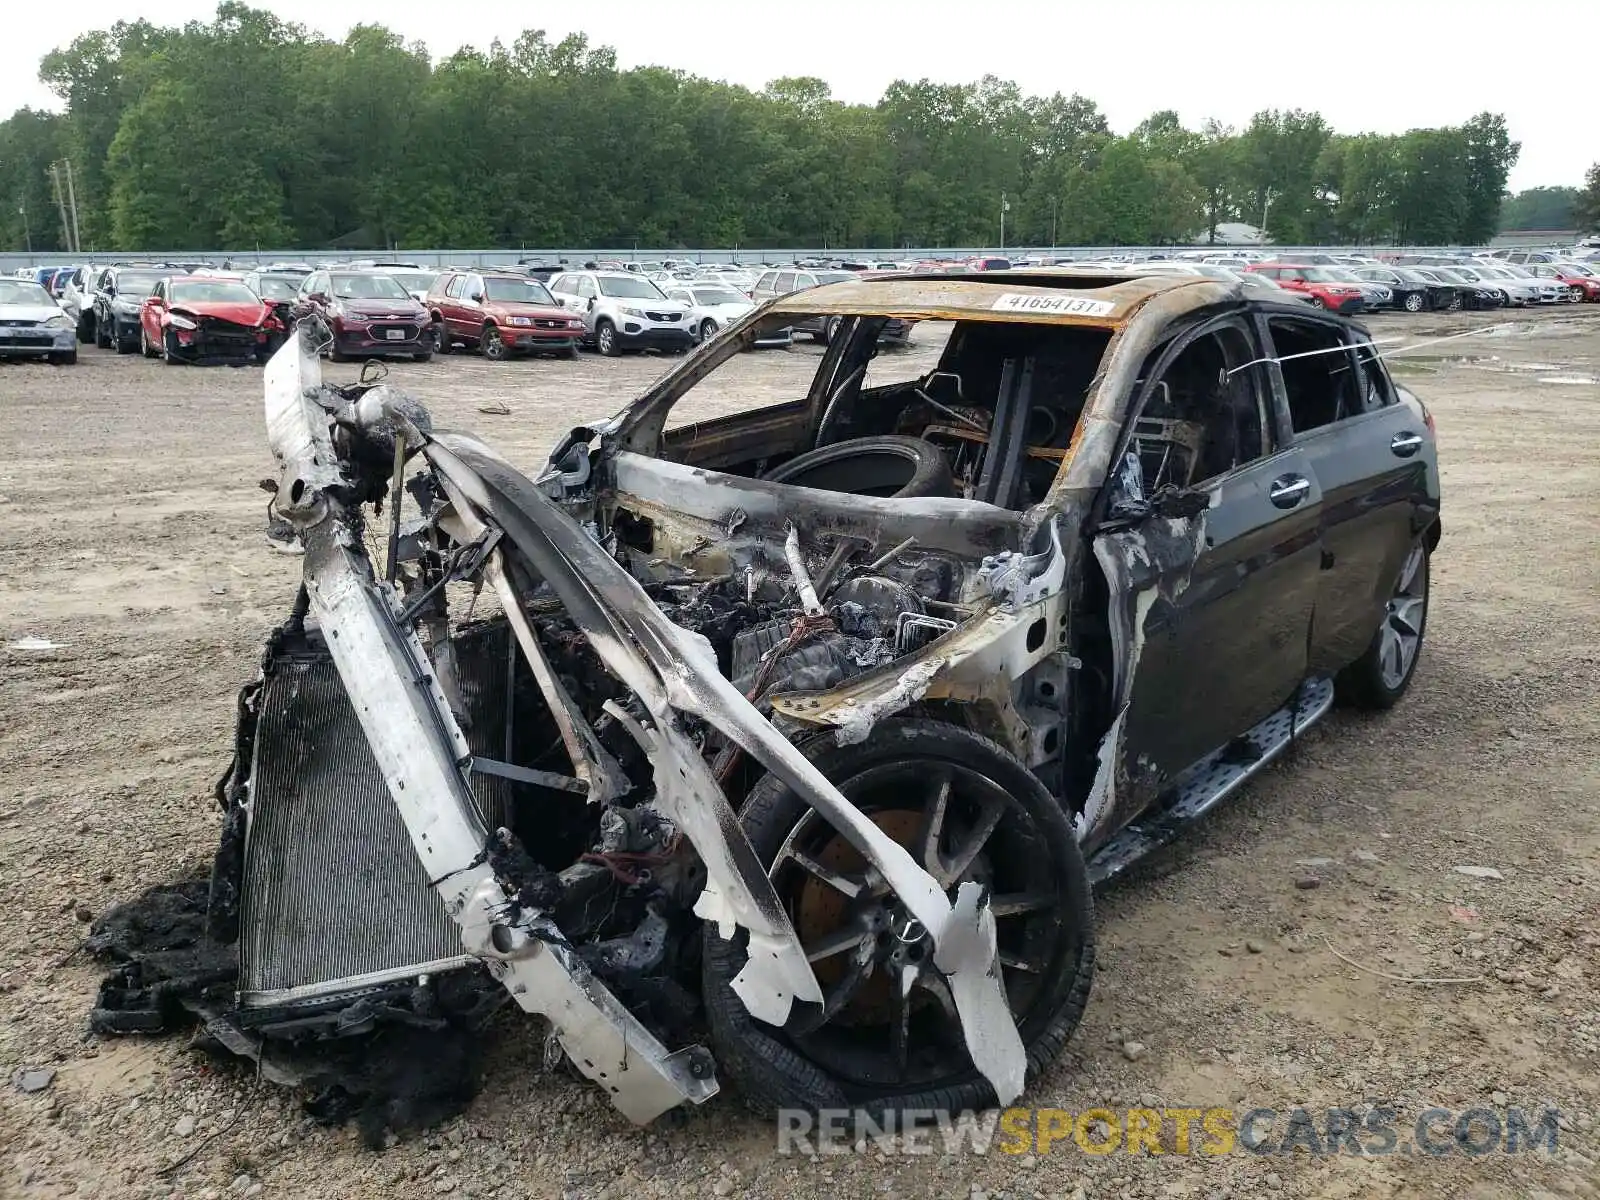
416	280
1519	288
713	305
621	311
77	300
32	324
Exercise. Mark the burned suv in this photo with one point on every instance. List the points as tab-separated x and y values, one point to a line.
786	746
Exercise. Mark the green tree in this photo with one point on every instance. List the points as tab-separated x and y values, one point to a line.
1490	155
1540	208
1586	208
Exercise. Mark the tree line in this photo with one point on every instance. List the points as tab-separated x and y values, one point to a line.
248	131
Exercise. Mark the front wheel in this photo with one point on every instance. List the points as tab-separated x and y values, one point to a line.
102	339
707	330
492	344
605	339
1414	302
1381	675
169	349
1318	302
887	1036
86	328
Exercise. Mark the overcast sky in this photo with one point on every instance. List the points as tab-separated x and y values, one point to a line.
1367	65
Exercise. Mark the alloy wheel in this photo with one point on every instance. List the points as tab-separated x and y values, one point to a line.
887	1013
1401	636
493	346
1414	302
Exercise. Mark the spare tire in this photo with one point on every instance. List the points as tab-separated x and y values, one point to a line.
890	465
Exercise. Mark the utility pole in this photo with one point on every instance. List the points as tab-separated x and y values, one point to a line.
22	208
1004	205
72	203
61	203
1053	202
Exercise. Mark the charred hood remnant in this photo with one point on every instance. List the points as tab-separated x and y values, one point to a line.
723	776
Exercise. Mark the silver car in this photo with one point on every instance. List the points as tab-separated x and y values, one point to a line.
32	324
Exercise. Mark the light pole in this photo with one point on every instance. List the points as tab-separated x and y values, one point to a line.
1005	206
1053	201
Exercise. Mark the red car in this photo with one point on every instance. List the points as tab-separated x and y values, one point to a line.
369	315
197	319
1581	281
501	314
1320	285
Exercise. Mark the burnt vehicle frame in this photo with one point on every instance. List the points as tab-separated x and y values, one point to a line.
1011	657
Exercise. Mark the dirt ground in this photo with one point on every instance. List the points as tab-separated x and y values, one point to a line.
132	538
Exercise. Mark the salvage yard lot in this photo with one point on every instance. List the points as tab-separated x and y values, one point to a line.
133	540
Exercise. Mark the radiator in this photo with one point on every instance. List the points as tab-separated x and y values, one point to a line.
334	897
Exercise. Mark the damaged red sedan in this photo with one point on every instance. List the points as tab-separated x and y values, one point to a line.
785	748
195	319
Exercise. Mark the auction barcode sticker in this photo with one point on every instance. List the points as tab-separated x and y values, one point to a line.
1077	306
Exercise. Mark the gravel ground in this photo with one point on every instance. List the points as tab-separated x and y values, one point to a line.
133	540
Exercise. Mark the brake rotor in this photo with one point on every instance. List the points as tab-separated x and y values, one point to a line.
821	911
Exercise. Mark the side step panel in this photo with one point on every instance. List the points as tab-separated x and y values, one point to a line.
1213	779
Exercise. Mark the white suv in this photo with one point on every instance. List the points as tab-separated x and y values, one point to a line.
622	311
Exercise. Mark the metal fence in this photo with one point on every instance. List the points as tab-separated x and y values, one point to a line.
576	257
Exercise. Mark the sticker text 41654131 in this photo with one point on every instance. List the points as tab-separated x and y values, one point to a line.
1076	306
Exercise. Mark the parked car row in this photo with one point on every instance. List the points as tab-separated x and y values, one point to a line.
190	312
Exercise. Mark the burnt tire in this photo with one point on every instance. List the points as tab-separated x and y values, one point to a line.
1375	680
772	1068
888	465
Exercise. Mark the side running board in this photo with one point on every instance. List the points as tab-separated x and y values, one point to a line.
1213	779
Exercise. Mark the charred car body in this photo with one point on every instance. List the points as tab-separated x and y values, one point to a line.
803	732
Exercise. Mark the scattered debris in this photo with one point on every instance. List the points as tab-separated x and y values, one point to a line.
1255	947
36	643
1480	872
496	408
1134	1051
1307	883
1366	856
34	1079
1398	978
1460	912
1316	862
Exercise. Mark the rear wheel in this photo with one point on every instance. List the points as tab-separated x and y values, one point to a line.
102	339
86	327
887	1036
1381	676
441	336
